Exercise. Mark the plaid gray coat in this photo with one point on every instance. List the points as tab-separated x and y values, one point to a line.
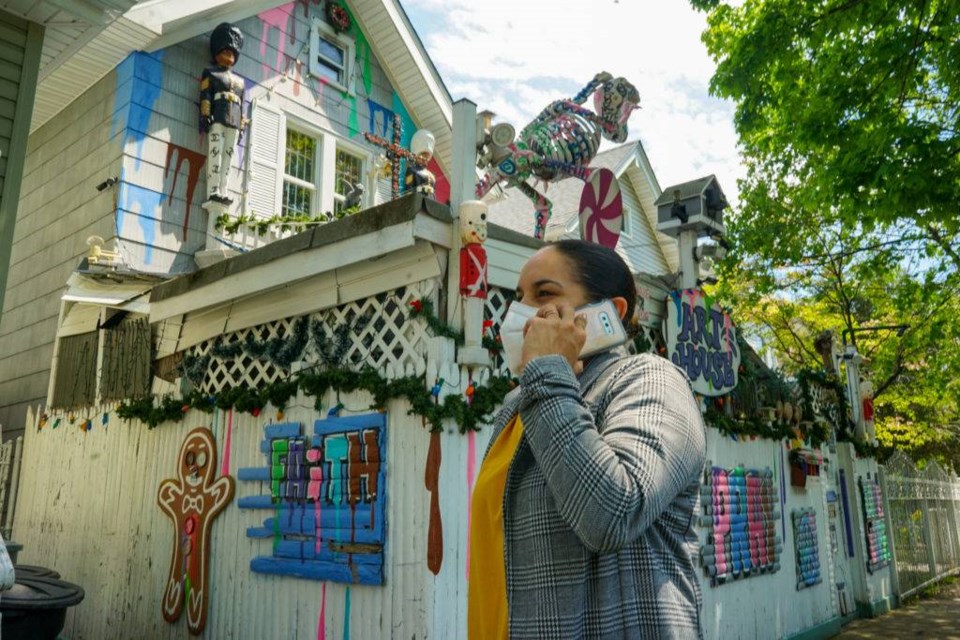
600	500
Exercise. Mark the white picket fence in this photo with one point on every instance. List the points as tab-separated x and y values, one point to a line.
924	509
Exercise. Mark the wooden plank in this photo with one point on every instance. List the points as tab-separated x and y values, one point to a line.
296	298
286	269
11	54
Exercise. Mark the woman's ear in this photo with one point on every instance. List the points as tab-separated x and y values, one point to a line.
621	304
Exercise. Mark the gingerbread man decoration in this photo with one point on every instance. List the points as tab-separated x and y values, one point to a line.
192	501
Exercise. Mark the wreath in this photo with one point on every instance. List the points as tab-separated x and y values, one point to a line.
338	17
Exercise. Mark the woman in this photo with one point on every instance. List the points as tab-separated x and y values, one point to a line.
582	522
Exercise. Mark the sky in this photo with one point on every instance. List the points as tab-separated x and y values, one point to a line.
514	57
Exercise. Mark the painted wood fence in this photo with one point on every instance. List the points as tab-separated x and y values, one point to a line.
88	508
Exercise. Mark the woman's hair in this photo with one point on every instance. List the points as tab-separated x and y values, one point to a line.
602	272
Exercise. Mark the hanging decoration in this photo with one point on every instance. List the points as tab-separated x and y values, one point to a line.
807	547
192	501
394	152
559	143
338	17
327	495
740	519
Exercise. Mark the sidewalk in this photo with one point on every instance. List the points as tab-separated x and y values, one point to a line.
936	616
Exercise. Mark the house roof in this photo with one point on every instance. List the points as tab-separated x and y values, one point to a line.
78	59
74	32
685	190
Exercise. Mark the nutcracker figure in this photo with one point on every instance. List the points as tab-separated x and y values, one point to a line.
221	111
473	257
417	175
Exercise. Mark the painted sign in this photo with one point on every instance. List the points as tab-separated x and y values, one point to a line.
327	493
702	340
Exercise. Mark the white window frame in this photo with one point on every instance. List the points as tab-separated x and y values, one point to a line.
316	204
321	29
359	153
325	167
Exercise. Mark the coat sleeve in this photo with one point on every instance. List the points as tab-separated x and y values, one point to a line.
610	486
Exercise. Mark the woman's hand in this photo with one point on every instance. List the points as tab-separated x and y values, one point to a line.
556	330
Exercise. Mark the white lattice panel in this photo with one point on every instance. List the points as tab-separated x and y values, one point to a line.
382	335
494	308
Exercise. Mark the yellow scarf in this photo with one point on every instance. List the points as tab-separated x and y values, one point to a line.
487	615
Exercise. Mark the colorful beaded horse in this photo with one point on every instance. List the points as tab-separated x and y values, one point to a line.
561	142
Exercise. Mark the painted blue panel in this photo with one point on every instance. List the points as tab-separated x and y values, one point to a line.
336	475
271	529
307	550
356	574
282	430
253	473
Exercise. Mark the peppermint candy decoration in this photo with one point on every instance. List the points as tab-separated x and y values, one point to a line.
601	209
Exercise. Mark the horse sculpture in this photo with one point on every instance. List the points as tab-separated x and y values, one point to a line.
559	143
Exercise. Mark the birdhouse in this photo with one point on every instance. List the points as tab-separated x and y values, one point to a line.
692	206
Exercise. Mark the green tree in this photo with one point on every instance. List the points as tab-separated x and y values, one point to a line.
848	113
916	372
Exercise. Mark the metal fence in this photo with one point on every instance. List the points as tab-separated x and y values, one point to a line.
924	517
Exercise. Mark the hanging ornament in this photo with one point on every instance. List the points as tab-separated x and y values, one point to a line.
338	17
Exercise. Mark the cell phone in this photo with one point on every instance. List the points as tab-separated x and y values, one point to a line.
604	329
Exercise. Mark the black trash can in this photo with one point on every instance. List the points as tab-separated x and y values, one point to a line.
34	571
13	548
36	607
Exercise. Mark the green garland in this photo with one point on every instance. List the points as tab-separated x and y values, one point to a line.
841	420
467	411
231	224
424	309
814	433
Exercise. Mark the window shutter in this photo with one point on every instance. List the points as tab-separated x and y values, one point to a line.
385	190
265	160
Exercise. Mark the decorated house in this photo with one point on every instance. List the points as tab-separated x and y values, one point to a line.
116	163
270	399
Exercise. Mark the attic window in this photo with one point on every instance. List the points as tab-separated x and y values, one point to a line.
331	56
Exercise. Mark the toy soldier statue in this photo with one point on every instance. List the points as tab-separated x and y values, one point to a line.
418	177
221	111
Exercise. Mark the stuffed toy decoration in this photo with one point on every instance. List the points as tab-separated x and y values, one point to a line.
473	257
221	112
417	175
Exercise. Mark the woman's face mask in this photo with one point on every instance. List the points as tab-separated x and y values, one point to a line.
511	334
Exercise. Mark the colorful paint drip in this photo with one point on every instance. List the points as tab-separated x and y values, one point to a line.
740	518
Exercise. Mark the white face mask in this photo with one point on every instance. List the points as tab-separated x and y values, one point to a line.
511	334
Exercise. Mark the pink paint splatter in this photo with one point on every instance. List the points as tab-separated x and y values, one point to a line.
277	19
321	626
225	467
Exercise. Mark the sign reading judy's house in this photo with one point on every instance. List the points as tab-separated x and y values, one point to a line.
702	340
